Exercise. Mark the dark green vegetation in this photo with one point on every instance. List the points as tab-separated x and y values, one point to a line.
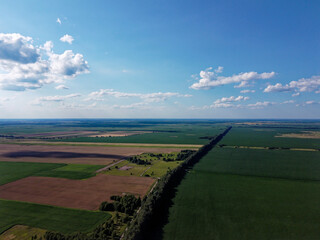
148	158
127	204
220	206
180	135
149	164
72	171
239	193
48	217
12	171
164	131
152	213
265	137
301	165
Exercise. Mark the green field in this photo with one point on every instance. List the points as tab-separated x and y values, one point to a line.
48	217
181	134
265	137
304	165
228	207
248	194
72	171
12	171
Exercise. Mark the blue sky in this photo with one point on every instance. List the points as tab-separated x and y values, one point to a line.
159	59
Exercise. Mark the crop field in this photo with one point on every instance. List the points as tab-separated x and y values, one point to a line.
245	193
266	137
221	206
72	171
179	135
303	165
81	194
12	171
71	154
48	217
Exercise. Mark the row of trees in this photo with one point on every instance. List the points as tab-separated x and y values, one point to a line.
126	204
154	208
137	160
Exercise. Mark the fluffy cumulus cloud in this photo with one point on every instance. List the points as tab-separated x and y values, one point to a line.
149	97
302	85
67	38
17	48
227	102
26	66
209	78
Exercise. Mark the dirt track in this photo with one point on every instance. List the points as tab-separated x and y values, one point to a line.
81	194
72	154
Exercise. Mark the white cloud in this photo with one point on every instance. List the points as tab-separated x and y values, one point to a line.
210	79
302	85
311	102
247	91
295	94
61	87
259	105
67	38
227	102
25	66
57	98
17	48
232	99
278	88
140	105
58	21
288	102
149	97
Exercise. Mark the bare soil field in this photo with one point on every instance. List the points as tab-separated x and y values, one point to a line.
80	194
72	154
305	134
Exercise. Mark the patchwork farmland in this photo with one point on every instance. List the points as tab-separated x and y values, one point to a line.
46	179
261	180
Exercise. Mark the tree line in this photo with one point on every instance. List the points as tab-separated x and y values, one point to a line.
154	209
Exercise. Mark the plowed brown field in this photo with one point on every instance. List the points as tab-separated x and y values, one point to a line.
81	194
72	154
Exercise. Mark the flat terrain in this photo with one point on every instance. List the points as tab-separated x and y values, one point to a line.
269	137
71	154
81	194
221	206
12	171
214	202
48	217
157	169
299	165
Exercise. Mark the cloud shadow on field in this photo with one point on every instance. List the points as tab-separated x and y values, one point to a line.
36	154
